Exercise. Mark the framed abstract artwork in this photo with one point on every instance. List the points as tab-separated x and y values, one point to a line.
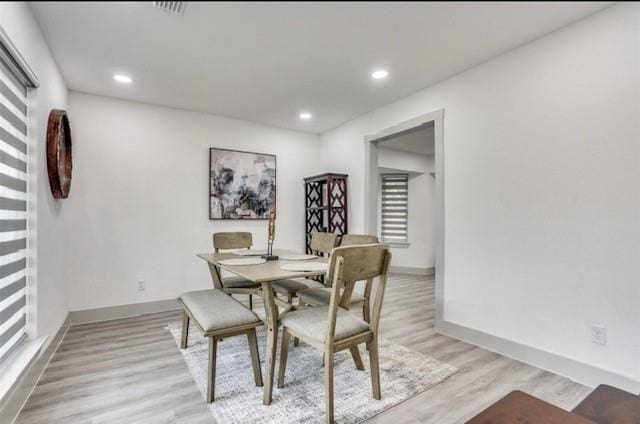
242	185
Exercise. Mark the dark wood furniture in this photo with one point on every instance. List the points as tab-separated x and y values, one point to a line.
521	408
59	156
325	205
608	405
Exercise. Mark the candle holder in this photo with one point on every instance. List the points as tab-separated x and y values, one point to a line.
272	233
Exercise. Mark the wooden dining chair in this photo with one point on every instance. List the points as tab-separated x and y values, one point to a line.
234	285
357	239
333	328
321	245
319	296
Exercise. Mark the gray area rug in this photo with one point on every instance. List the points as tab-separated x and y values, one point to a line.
403	374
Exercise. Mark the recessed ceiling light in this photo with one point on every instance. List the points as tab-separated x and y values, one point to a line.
305	116
379	74
122	78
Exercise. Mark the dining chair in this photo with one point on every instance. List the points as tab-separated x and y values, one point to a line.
333	328
319	296
321	245
235	285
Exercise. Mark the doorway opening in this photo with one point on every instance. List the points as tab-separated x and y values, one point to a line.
404	198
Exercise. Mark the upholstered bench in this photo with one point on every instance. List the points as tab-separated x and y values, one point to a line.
218	315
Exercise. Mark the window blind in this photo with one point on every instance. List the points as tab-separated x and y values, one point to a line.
13	210
395	207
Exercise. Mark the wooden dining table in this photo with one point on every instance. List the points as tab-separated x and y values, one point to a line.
264	274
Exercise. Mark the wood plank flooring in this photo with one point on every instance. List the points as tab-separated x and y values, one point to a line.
130	371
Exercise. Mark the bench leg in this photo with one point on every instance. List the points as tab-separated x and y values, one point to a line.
185	330
251	302
255	356
211	378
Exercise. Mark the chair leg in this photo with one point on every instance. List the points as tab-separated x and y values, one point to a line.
284	353
355	354
290	299
296	341
185	330
255	356
211	378
328	373
251	302
375	368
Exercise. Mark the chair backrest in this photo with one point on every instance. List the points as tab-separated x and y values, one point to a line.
233	240
349	264
323	243
358	239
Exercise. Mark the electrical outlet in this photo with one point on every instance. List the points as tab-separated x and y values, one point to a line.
598	335
142	286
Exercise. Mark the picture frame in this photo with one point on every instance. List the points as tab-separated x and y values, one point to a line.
242	184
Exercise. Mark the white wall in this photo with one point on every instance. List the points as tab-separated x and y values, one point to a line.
420	252
406	161
542	228
46	285
139	199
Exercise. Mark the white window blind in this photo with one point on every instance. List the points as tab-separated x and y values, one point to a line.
395	207
13	210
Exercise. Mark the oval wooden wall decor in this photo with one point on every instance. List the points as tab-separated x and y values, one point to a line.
59	157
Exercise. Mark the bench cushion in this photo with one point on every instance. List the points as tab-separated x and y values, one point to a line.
215	310
312	322
295	285
322	296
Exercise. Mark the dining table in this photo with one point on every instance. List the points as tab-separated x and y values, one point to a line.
264	274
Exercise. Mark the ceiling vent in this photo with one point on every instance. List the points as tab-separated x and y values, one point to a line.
173	7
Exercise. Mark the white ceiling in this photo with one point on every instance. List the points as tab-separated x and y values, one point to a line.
421	141
265	62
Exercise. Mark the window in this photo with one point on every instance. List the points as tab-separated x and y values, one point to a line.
13	205
395	208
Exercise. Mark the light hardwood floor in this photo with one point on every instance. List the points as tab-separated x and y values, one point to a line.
130	371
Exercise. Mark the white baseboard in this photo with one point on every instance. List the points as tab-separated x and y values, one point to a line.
581	372
122	311
412	270
20	392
